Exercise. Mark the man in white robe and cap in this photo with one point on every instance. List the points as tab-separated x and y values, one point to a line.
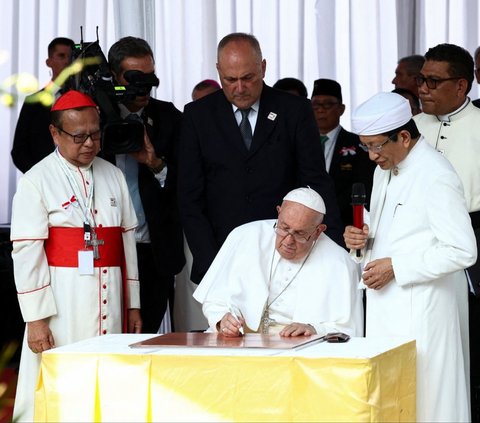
450	124
415	250
74	256
283	277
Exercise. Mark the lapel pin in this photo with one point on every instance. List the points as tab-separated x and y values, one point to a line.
272	116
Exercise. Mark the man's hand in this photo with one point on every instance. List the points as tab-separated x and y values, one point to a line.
355	238
378	273
298	329
134	321
39	336
230	325
147	154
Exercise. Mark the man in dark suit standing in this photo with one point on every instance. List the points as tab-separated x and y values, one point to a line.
242	149
345	161
32	140
151	180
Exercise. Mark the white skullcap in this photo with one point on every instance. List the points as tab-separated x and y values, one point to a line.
380	114
308	197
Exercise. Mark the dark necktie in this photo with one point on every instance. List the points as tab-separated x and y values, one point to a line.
246	128
323	140
134	117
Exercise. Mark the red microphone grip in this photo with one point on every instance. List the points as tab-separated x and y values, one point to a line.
358	215
358	200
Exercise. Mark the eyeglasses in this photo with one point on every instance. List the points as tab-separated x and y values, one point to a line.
432	82
379	147
81	138
301	239
325	106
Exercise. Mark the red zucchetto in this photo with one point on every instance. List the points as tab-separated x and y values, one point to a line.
73	100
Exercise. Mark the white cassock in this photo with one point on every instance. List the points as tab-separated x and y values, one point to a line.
458	139
420	220
323	291
77	306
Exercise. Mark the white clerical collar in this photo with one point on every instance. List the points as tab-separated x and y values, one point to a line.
277	259
448	117
409	159
72	166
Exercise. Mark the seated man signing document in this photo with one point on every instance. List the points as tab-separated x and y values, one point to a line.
283	277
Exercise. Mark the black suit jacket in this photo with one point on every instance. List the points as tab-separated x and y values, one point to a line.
162	122
223	185
350	164
32	140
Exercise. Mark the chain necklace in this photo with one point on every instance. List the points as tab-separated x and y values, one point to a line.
266	321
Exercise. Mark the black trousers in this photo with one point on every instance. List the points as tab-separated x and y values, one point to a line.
156	288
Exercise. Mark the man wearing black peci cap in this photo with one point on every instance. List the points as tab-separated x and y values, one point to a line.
345	161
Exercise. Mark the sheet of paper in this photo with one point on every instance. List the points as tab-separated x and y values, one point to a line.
216	340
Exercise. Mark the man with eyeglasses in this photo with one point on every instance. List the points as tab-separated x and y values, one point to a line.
345	162
415	248
451	124
283	276
75	264
242	149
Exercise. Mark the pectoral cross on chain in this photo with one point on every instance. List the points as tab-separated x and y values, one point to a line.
94	242
266	321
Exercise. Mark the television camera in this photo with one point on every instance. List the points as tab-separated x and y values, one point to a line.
95	79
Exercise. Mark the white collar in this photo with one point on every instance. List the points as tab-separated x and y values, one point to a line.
255	106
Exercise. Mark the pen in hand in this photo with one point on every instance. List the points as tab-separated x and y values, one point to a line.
232	312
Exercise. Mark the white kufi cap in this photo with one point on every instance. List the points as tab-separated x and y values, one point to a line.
380	114
308	197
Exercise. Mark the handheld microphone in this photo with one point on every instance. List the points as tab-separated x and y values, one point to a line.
359	199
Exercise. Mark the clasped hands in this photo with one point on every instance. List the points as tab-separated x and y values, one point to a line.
377	273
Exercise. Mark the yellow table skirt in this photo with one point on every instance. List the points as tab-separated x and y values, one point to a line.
153	388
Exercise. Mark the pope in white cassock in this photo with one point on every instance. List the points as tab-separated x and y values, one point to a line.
415	250
285	276
74	255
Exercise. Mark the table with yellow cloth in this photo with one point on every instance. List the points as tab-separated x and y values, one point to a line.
102	379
